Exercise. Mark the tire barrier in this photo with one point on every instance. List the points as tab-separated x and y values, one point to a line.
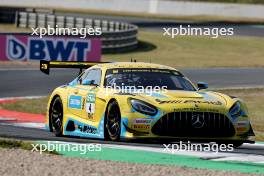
8	14
116	36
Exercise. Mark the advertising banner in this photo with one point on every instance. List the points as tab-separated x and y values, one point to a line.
25	47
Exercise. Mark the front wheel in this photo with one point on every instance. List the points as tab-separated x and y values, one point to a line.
56	117
113	122
234	144
237	144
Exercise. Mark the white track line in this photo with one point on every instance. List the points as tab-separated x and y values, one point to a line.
26	125
20	98
7	119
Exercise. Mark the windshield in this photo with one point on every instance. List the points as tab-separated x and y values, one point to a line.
145	77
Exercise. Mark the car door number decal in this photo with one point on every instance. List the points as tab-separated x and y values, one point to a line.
90	103
90	107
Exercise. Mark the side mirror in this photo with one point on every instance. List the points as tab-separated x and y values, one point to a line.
87	82
202	85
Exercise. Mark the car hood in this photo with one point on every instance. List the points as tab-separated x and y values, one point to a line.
188	100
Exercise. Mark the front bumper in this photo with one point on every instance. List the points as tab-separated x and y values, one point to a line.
217	127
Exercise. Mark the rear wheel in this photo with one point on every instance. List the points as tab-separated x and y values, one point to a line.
56	117
113	122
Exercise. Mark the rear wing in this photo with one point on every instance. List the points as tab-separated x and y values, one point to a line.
46	65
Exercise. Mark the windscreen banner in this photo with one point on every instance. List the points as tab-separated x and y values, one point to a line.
24	47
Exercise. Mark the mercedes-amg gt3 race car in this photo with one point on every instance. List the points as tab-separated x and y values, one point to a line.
117	100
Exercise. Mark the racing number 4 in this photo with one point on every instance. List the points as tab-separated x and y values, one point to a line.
90	107
90	103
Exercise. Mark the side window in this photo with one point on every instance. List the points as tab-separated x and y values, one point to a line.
83	76
94	74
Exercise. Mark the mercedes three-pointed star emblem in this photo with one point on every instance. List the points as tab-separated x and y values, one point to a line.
197	121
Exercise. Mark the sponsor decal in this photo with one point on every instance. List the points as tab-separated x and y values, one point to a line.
87	129
75	102
141	126
125	70
25	47
115	71
241	129
150	70
143	121
188	102
242	123
83	103
242	126
196	109
90	105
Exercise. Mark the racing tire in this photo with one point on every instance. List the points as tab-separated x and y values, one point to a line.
56	117
112	122
237	144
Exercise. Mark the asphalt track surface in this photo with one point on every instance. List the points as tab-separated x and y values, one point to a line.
159	24
32	82
22	133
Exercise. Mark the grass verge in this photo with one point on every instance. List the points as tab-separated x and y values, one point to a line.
18	144
7	143
253	98
37	106
191	51
191	18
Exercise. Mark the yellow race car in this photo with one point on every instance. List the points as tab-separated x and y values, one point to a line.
143	100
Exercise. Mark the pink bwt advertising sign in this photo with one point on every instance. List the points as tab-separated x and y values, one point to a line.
23	47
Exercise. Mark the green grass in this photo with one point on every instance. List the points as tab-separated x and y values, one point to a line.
191	51
6	143
253	97
37	106
195	18
18	144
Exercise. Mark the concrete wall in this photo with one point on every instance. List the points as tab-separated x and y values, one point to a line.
148	6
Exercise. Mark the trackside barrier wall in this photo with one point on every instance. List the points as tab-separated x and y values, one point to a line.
116	36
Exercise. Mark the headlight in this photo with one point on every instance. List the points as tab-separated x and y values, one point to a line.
143	107
235	110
